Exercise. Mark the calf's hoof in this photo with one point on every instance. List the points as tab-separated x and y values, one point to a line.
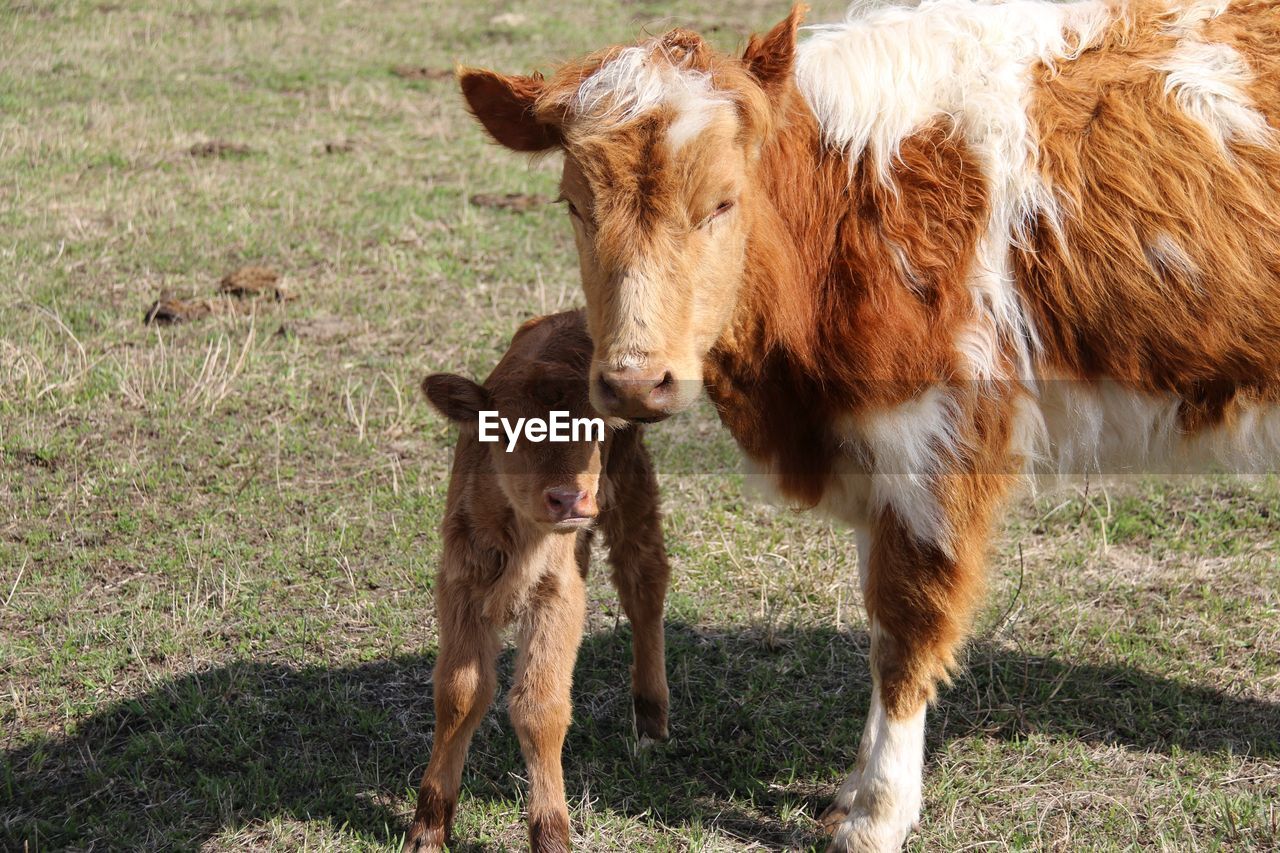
549	833
422	839
432	822
651	719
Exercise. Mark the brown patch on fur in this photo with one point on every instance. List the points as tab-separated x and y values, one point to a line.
1136	173
920	597
857	330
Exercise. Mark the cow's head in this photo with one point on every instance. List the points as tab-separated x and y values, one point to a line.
661	142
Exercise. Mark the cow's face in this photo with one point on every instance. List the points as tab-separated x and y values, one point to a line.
660	224
660	143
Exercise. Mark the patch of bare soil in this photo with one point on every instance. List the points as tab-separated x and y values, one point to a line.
421	72
252	282
219	148
344	146
519	202
169	309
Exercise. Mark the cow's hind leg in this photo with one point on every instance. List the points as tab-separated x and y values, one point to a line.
540	703
465	681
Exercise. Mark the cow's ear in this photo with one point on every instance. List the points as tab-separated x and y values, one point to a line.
456	397
770	57
504	104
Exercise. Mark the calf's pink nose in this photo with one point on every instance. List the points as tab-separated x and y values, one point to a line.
563	504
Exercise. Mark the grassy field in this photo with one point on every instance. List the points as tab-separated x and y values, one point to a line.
217	539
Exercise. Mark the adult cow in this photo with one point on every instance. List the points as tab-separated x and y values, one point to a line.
918	251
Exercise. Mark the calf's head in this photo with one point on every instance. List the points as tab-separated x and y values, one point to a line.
661	143
550	484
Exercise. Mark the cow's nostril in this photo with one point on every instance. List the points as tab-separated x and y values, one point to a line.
608	393
667	380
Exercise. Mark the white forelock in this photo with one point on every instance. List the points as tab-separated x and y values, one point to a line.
644	77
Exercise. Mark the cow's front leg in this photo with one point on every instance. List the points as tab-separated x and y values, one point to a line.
920	596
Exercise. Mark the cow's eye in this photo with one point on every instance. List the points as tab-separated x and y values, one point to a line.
721	209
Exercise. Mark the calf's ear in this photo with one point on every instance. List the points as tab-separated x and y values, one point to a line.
504	104
456	397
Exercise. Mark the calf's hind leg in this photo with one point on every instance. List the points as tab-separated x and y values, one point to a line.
540	703
465	681
633	528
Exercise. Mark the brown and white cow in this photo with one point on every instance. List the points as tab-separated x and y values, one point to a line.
517	539
915	254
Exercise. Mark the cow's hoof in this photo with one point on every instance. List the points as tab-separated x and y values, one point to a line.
832	817
874	831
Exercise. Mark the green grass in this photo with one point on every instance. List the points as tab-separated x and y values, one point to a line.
217	540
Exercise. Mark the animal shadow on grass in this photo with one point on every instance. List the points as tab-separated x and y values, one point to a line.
768	719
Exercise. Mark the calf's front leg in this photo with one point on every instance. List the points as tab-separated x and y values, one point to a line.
465	681
540	703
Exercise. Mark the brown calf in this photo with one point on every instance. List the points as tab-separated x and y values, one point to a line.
517	539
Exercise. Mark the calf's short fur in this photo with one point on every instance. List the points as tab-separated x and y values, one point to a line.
517	540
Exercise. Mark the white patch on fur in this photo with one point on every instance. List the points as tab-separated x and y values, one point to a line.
979	344
1165	255
908	445
885	73
1208	82
1104	427
862	541
693	115
1195	13
630	361
640	79
883	796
